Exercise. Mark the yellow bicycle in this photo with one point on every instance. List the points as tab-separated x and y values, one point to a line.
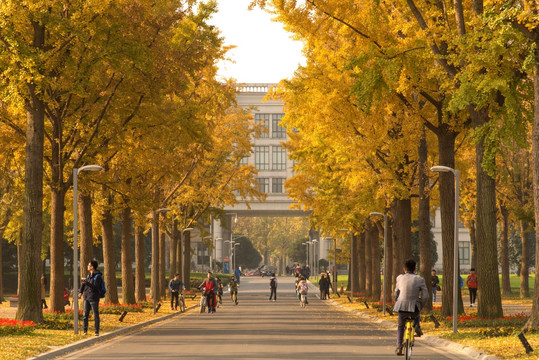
408	341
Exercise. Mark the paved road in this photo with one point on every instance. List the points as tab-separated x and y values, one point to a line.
259	329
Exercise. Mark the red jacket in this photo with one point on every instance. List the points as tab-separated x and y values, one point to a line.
471	281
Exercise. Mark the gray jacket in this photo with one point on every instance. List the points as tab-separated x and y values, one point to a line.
407	291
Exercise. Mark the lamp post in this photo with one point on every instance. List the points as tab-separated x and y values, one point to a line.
385	258
76	172
215	250
155	255
456	174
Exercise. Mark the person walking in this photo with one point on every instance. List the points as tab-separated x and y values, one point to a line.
43	290
435	283
175	286
90	292
219	291
408	287
273	287
323	286
471	283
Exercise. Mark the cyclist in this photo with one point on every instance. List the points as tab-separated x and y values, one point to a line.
303	288
408	302
210	288
233	285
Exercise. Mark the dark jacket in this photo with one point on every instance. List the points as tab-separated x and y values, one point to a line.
90	289
174	285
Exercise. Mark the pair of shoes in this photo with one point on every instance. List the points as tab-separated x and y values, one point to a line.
172	308
418	331
209	311
96	334
398	351
85	333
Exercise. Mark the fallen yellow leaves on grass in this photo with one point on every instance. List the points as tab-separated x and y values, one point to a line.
43	340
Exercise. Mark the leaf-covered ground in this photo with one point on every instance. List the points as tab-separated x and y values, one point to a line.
43	340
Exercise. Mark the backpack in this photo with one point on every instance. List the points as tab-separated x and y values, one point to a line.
272	282
102	290
303	289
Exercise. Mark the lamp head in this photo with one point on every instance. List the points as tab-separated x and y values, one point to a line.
440	168
89	168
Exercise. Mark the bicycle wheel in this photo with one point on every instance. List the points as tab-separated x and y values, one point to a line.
203	304
408	349
182	304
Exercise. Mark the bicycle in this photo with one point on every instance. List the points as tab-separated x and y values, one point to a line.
181	301
203	303
408	341
234	297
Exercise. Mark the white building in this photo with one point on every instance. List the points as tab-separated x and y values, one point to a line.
464	245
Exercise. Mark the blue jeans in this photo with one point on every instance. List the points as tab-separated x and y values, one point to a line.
433	295
95	309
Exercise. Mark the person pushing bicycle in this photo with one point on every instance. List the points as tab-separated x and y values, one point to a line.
408	287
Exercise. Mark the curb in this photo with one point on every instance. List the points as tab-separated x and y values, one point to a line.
101	338
431	340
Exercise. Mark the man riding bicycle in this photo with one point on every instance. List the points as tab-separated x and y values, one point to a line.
408	302
233	286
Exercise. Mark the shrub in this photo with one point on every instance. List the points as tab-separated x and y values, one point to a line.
10	327
58	320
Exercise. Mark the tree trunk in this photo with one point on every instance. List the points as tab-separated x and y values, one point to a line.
162	261
362	262
402	224
446	149
154	282
425	266
140	273
108	257
173	248
57	278
86	232
504	245
30	269
19	266
186	260
128	291
389	278
396	264
179	262
473	244
525	265
368	258
354	264
489	294
533	320
375	251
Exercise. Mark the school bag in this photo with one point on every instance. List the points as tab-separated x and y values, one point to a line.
102	290
272	283
303	289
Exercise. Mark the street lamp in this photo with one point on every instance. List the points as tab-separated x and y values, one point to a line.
456	174
386	276
155	255
76	172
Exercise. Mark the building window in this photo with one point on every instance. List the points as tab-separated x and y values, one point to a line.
277	131
277	185
263	185
262	161
278	158
464	252
244	160
264	119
